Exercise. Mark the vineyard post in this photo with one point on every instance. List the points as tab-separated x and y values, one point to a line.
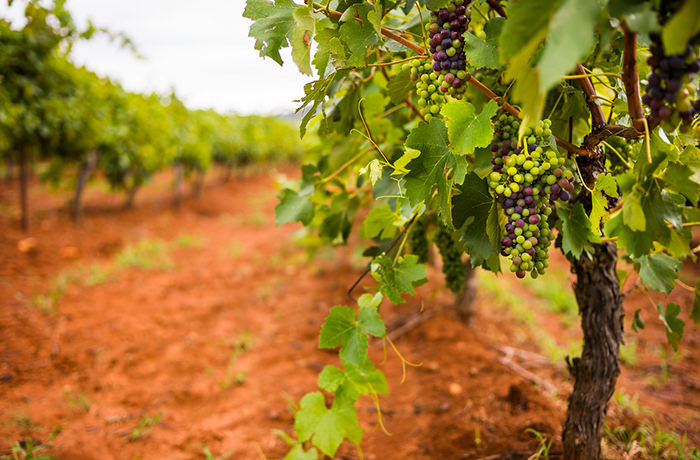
23	187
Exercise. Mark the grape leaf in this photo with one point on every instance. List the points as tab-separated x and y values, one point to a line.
301	38
659	271
342	328
471	209
298	453
273	25
637	323
365	379
324	33
527	21
358	38
315	94
429	169
684	25
381	222
330	378
576	230
569	38
695	311
484	53
674	325
527	82
326	427
293	207
681	178
467	130
399	279
399	86
632	211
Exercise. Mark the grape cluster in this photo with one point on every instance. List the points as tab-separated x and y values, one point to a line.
430	99
418	240
446	72
669	90
527	181
453	267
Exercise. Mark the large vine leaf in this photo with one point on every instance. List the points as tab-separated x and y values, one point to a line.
301	38
273	25
576	233
466	129
659	271
474	208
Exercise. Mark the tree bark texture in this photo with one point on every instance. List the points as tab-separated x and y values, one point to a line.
85	172
464	303
595	372
23	188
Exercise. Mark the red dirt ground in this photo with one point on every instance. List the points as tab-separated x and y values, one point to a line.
248	304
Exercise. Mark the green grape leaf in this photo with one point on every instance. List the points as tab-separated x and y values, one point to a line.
695	310
399	86
527	19
605	185
576	230
322	58
298	453
430	168
341	328
366	379
637	323
399	279
369	322
301	38
472	209
527	81
358	38
681	178
467	131
326	427
273	25
314	95
684	25
571	36
381	222
484	53
659	271
633	212
293	207
330	379
673	324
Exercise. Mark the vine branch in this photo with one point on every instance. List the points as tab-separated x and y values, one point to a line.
597	117
630	79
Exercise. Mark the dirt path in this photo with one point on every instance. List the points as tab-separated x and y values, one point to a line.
214	346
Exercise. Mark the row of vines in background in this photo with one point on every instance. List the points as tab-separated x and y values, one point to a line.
78	124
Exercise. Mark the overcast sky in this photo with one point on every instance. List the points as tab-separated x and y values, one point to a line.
201	48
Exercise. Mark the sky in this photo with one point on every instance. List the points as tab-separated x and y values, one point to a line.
200	48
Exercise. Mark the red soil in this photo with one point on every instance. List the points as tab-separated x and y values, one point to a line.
248	305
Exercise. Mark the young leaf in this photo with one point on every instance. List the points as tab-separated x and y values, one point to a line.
341	328
674	325
399	279
326	427
330	379
381	222
298	453
659	271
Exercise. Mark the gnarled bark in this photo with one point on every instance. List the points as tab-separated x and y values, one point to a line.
595	372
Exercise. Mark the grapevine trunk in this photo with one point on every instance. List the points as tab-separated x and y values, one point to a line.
464	303
595	372
85	172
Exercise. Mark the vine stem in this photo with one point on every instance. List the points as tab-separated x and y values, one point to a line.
386	64
596	112
630	79
497	7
